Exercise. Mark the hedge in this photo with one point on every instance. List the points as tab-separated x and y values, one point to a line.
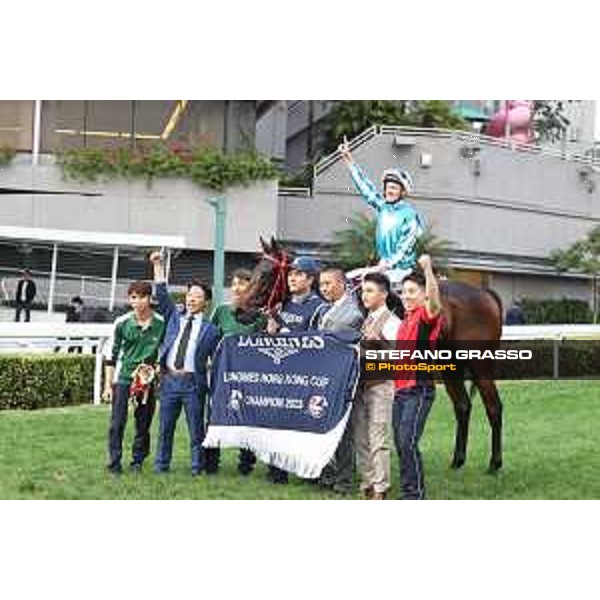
45	381
565	310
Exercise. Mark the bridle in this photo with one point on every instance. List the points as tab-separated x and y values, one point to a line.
279	285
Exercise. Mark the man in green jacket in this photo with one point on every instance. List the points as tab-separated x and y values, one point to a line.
136	340
226	319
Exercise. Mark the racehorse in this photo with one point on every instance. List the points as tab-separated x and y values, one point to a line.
470	315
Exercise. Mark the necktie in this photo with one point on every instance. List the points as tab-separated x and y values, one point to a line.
183	344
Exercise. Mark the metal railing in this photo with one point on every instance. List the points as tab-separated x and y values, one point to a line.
354	143
462	136
304	192
551	332
555	333
27	336
95	291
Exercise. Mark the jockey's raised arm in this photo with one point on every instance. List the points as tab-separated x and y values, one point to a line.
366	188
399	225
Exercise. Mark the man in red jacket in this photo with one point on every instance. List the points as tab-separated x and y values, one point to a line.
415	393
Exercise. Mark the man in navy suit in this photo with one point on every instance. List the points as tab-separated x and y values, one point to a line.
190	341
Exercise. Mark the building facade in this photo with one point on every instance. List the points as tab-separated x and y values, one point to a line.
36	198
502	207
302	121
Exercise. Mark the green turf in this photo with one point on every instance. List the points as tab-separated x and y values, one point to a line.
550	451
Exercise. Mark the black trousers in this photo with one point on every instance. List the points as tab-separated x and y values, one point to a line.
246	460
23	306
142	414
212	456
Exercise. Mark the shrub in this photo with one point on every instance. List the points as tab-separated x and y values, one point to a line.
44	381
565	310
205	166
6	155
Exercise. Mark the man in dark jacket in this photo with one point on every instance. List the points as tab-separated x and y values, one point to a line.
300	313
25	295
514	315
189	342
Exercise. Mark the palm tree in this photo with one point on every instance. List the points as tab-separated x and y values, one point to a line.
354	246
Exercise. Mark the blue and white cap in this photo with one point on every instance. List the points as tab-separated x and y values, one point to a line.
305	264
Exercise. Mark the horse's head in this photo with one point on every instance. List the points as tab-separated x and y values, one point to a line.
268	286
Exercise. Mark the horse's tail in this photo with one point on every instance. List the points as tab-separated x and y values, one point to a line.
497	300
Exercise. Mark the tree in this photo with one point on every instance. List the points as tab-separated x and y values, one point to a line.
354	246
351	117
583	255
549	119
436	114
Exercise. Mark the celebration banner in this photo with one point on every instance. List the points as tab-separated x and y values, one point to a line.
286	397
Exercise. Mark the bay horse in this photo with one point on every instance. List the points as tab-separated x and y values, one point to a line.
470	315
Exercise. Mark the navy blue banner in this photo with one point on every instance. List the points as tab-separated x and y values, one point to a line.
300	382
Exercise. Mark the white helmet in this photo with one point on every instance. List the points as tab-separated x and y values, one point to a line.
398	176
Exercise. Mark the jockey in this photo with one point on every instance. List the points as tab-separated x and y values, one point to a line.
399	225
302	311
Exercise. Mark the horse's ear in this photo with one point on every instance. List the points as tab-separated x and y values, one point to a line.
265	247
274	244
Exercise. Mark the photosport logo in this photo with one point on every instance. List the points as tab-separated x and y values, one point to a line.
460	360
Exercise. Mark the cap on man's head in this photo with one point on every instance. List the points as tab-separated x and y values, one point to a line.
305	264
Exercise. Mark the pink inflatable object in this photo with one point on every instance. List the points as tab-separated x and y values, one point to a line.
519	115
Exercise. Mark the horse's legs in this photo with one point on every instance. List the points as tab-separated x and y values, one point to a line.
493	409
462	412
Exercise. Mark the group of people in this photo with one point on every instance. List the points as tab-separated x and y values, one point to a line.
183	342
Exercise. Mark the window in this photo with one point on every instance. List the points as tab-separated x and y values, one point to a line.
16	124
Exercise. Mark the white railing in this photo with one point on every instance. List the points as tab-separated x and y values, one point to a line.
25	335
303	192
551	332
471	137
354	143
554	333
94	290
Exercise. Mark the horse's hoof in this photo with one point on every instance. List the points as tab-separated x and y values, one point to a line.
457	463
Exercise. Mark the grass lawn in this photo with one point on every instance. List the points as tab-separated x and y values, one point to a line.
551	450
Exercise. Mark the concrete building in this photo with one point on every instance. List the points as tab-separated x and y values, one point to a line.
303	122
37	198
503	207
